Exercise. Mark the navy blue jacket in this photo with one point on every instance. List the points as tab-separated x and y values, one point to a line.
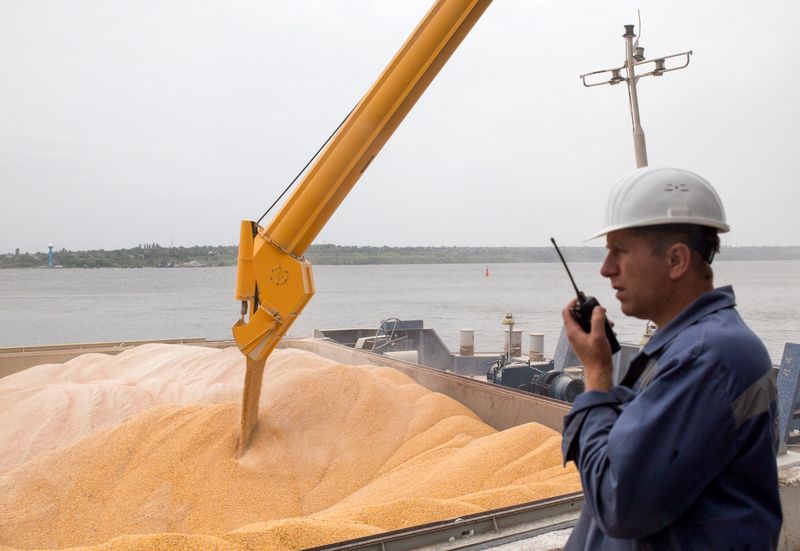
686	458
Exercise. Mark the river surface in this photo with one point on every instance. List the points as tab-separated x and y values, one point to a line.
41	306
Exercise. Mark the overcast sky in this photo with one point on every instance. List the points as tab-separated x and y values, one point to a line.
169	121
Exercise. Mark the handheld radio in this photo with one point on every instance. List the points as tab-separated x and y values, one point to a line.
582	312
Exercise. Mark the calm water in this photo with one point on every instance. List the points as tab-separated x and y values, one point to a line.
63	306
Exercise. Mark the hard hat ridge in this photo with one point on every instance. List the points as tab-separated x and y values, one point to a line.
655	196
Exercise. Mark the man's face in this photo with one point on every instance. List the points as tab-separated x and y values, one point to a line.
640	277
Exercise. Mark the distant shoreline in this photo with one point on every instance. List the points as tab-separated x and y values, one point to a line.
156	256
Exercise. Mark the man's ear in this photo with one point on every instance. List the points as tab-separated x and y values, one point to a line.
679	257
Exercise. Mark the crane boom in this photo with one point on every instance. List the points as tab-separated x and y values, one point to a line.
274	281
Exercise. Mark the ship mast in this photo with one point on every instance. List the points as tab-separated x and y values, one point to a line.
634	59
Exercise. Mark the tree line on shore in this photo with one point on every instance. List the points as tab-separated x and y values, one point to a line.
156	256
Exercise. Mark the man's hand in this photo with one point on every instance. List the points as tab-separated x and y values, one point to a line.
592	348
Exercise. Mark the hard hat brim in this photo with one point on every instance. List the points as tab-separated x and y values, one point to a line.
721	228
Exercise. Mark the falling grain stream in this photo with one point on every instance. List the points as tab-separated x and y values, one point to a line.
251	394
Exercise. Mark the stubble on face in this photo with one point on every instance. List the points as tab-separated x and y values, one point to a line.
639	277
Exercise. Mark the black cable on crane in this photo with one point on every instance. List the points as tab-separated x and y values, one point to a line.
305	167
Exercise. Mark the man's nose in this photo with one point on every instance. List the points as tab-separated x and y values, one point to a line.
608	268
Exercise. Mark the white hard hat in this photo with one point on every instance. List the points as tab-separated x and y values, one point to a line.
654	196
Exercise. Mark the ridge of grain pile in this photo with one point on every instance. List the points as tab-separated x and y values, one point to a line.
340	452
55	405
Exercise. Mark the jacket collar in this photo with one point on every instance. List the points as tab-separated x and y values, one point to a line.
704	305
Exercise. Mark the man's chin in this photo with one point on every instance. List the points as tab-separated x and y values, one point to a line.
630	311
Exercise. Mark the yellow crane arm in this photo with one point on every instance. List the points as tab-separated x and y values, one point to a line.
273	280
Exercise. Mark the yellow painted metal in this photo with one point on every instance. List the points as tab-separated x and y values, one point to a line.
284	285
372	122
273	278
245	272
333	175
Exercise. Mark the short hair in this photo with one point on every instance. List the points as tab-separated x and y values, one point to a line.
702	240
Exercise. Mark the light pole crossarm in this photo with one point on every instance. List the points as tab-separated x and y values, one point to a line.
661	66
615	77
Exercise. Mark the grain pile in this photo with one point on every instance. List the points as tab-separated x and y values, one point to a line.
340	452
55	405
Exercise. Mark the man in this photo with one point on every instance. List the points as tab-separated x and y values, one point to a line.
680	455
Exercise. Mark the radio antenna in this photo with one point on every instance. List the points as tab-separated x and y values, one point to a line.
564	262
